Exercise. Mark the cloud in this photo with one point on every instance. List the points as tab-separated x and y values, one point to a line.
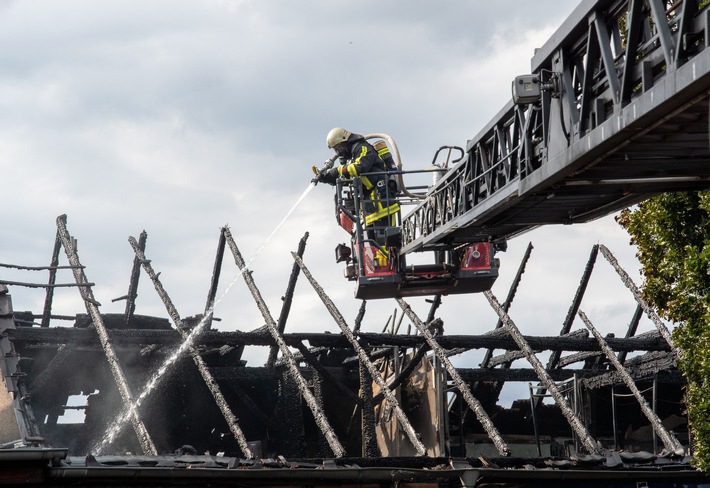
181	117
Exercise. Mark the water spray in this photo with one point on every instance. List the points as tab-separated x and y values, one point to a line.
118	424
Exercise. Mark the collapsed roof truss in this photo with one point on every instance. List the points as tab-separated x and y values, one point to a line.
332	374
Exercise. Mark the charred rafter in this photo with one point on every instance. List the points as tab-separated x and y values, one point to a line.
171	338
337	372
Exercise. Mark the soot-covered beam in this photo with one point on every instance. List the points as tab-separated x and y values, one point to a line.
318	414
202	367
372	369
92	308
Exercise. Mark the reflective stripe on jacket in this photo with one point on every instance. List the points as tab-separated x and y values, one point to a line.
364	160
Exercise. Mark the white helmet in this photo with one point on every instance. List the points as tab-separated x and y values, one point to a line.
336	136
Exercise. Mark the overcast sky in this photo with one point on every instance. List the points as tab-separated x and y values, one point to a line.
180	117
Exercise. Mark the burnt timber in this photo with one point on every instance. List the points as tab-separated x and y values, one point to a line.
264	432
625	118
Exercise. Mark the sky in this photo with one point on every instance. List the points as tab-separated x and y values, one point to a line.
180	117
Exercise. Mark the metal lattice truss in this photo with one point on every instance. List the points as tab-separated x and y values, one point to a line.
622	115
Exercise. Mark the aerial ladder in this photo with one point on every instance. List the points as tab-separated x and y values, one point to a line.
613	111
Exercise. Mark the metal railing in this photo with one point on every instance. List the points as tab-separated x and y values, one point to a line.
595	68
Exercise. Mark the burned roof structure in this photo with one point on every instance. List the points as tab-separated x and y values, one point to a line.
326	409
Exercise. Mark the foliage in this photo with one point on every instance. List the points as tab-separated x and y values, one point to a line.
672	233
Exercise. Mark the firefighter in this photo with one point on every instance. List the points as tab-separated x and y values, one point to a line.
359	158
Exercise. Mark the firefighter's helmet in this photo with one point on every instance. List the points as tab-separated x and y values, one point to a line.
336	136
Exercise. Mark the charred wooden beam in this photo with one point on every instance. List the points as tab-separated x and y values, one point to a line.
505	360
374	355
374	373
85	337
49	296
214	282
471	401
565	361
133	282
654	364
513	355
204	371
318	415
92	308
435	304
325	374
51	267
28	318
555	360
170	337
668	439
46	285
509	299
523	374
360	316
369	433
589	443
631	330
639	299
538	343
576	301
287	300
498	387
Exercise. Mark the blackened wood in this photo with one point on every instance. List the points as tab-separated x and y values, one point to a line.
325	374
631	330
639	299
63	335
49	297
574	307
133	283
471	400
589	443
202	368
92	308
376	376
287	300
668	439
318	414
214	282
369	434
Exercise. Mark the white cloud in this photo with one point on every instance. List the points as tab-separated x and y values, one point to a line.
181	117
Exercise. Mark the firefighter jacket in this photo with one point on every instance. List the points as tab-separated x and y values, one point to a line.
367	164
